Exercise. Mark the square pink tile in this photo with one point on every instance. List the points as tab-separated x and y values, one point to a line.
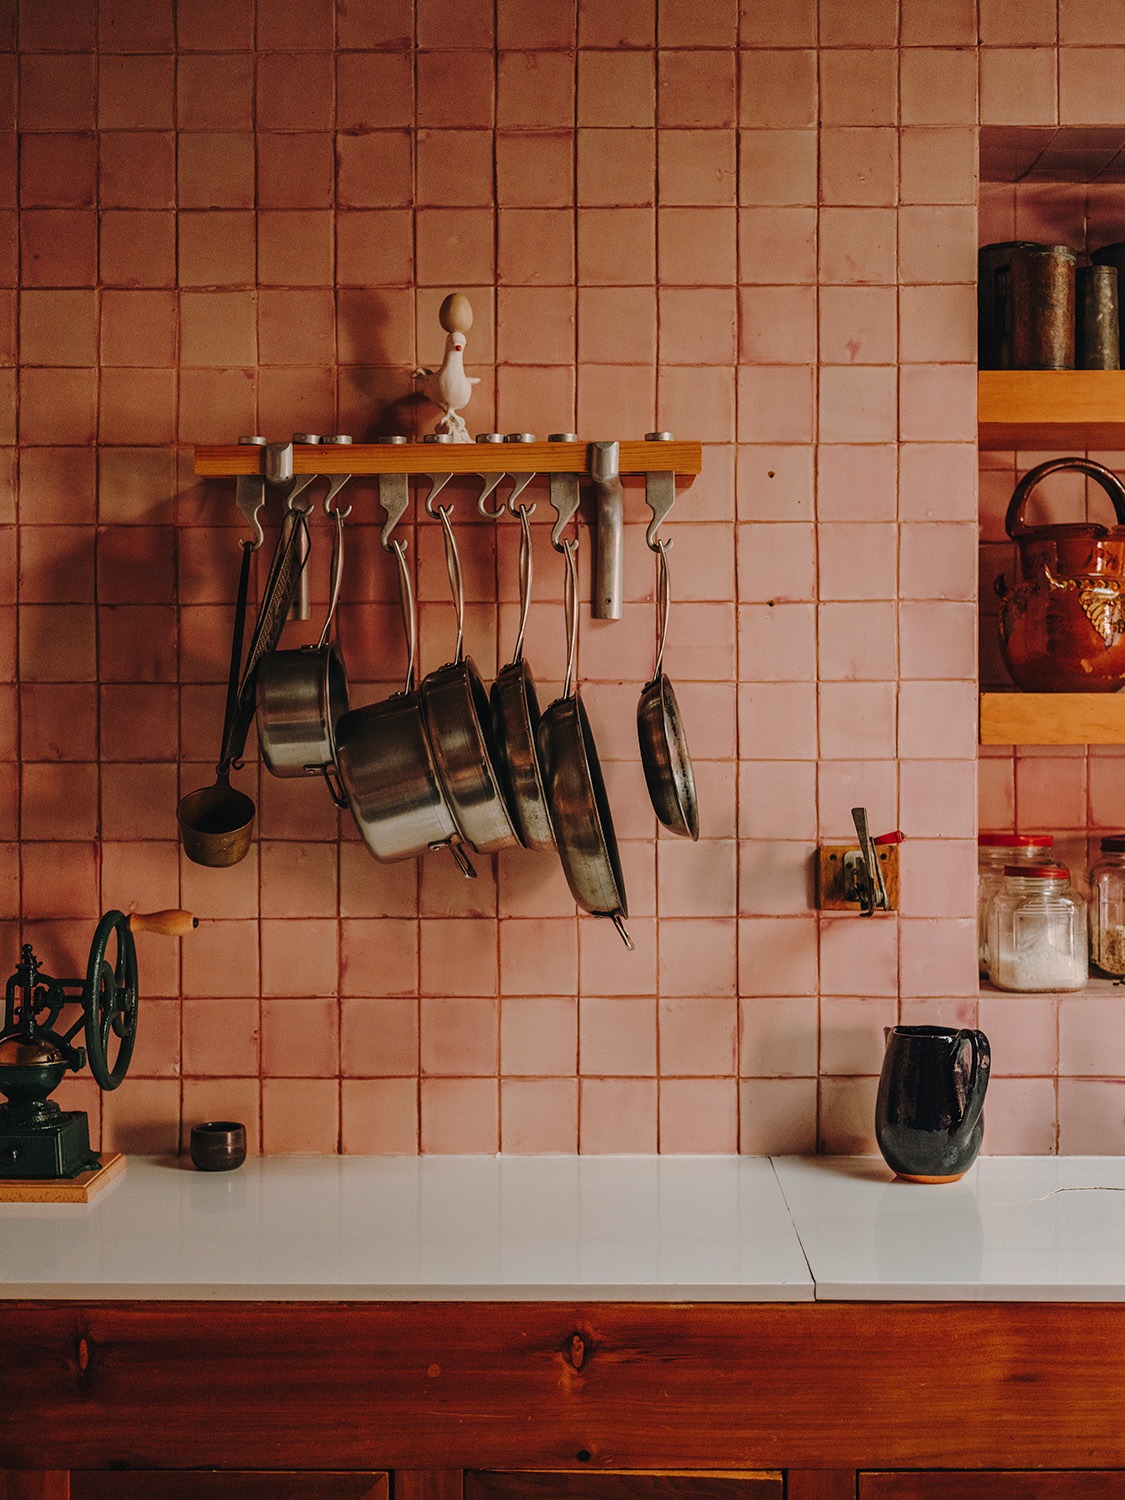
857	561
459	1037
858	87
1090	1115
780	90
1021	1117
696	89
538	1116
300	1115
379	1116
777	325
777	956
617	1115
846	1124
938	86
857	641
778	1037
858	165
777	1116
857	719
459	1116
616	1037
698	1115
777	167
539	1036
857	245
851	1035
856	483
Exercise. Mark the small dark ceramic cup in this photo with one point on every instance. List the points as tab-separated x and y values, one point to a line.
218	1145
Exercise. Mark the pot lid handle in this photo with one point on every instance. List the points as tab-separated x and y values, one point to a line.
1014	522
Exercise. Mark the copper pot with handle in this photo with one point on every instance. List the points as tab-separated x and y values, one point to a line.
1062	620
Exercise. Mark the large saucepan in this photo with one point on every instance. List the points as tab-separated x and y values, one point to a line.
302	695
576	795
459	725
387	768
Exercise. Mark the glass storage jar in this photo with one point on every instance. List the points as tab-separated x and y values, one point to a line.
994	851
1037	931
1107	907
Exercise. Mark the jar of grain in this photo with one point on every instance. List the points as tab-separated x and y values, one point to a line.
994	851
1107	907
1037	931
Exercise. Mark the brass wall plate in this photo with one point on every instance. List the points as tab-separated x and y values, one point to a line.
830	876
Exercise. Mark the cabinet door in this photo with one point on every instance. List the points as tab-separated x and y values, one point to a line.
215	1484
634	1485
1071	1484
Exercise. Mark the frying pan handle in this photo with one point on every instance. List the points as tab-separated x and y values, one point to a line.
458	853
1014	523
235	722
332	781
663	603
526	573
337	574
453	568
406	604
570	597
619	923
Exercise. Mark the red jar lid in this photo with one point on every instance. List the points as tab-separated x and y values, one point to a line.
1038	872
1114	843
1015	840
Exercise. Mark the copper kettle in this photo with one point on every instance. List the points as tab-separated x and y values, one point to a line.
1062	622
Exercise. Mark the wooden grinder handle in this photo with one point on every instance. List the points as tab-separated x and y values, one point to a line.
171	923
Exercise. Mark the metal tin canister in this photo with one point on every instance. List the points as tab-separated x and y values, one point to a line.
993	340
1112	255
1097	324
1040	307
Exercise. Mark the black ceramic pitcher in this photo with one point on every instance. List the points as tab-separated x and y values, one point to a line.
931	1092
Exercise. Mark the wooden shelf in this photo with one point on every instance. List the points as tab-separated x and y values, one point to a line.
1050	410
682	459
1052	718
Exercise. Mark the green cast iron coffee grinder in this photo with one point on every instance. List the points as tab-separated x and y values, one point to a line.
39	1140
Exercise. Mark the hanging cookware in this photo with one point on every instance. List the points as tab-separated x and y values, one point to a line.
302	694
515	722
1062	623
459	725
576	794
664	751
387	767
216	822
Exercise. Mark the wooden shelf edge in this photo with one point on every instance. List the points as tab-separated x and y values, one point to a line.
1051	409
684	459
1015	718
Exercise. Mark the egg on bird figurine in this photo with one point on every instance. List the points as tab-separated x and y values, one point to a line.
448	386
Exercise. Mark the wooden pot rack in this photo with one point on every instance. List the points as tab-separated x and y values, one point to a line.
568	462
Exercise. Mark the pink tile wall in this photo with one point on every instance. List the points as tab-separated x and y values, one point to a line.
754	225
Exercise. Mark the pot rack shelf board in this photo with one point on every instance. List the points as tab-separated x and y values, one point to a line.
1052	718
1051	410
228	460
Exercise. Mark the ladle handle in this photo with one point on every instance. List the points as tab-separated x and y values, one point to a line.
174	922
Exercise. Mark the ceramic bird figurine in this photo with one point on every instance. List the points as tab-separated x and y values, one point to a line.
449	387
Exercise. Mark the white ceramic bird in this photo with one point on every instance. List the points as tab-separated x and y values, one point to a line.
449	387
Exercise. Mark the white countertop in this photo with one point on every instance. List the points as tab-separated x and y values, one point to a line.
328	1228
1015	1228
673	1228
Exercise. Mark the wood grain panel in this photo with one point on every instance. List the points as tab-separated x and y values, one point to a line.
34	1486
993	1486
429	1484
634	458
1048	411
636	1485
536	1385
231	1485
820	1484
1052	718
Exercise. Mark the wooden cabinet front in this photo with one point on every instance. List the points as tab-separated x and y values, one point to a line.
637	1485
985	1485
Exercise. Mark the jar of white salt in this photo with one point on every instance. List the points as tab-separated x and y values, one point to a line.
1107	907
1037	931
994	852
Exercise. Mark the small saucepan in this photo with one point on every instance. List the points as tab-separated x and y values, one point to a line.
664	751
459	725
387	767
302	695
515	722
576	794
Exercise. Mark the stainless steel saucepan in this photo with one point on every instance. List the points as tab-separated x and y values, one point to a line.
459	725
302	695
387	768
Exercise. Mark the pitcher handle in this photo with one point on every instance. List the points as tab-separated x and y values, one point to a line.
981	1053
1014	523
